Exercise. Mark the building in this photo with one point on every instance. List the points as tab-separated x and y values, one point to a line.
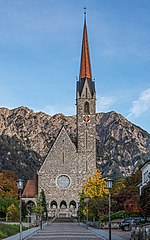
145	169
67	164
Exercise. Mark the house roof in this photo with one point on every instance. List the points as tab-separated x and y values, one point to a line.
31	189
145	164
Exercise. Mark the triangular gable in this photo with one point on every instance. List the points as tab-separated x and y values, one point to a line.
86	85
62	134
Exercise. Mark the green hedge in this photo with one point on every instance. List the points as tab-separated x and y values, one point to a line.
118	215
7	230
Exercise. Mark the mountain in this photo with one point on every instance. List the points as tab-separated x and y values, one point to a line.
26	138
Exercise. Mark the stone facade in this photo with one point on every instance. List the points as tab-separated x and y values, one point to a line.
66	166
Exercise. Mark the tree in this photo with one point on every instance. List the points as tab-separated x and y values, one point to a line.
38	208
95	185
43	203
5	202
8	185
2	207
118	186
133	205
145	200
132	181
95	188
125	194
12	212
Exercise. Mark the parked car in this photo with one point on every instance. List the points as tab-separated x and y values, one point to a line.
127	223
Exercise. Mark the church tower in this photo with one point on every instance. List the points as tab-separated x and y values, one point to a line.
67	165
86	110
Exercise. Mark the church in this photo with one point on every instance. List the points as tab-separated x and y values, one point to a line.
67	165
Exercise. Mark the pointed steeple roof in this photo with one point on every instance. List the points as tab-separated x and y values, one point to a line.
85	65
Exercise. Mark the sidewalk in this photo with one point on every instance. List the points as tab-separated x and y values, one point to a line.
105	235
102	233
25	233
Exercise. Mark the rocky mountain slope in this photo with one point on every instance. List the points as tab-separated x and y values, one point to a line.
26	138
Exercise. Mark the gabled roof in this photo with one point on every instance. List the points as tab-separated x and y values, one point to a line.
80	85
145	164
62	130
31	189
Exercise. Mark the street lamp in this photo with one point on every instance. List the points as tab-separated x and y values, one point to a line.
87	209
41	199
79	211
20	187
109	186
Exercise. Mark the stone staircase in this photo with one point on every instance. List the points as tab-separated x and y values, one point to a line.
65	220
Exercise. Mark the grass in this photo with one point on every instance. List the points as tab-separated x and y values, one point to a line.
7	230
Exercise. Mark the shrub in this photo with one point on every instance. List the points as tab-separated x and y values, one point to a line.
2	235
7	230
117	215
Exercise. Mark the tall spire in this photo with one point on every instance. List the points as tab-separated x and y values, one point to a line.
85	65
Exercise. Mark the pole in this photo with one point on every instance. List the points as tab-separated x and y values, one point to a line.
109	215
20	215
87	214
79	213
41	220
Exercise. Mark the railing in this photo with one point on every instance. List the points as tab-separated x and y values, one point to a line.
140	232
55	215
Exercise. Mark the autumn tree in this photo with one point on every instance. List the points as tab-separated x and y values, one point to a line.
8	185
126	194
5	202
145	200
133	205
12	212
95	188
8	192
95	185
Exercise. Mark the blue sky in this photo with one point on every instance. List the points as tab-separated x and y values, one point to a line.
40	47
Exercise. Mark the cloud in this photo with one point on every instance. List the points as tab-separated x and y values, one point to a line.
141	105
104	104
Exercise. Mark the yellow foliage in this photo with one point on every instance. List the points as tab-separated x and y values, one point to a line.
95	185
118	186
12	211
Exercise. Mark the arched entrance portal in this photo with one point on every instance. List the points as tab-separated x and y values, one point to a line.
72	205
63	205
63	213
53	207
63	209
29	207
53	204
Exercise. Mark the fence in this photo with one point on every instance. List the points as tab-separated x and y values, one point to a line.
140	232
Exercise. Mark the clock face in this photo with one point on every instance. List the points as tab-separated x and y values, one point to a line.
86	118
63	181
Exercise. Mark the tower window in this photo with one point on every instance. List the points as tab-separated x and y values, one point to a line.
86	108
63	157
86	139
86	92
86	167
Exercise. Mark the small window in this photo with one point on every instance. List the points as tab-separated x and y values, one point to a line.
86	108
146	176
